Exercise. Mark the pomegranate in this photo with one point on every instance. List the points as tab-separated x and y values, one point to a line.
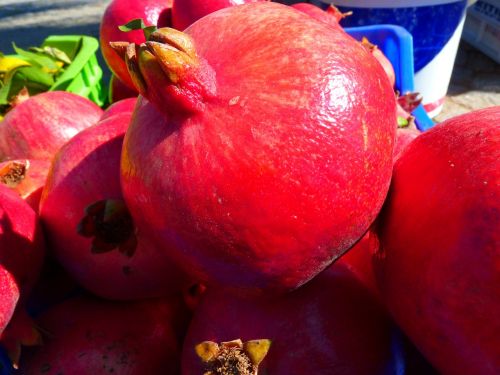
26	177
121	106
381	58
404	136
119	12
9	295
331	16
37	127
22	246
119	90
91	336
329	326
186	12
255	171
438	268
82	205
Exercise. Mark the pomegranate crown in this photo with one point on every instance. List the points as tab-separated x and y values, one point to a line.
167	71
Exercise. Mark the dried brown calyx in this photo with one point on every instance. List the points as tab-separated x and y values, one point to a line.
167	70
232	357
110	225
13	172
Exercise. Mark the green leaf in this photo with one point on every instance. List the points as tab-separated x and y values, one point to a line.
31	77
138	24
402	122
53	53
148	31
36	59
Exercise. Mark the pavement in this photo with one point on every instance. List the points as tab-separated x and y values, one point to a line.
475	81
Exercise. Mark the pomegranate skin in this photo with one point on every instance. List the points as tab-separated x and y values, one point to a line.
404	136
36	128
26	177
439	265
91	336
319	14
85	171
120	12
9	295
119	90
22	246
283	170
186	12
310	331
121	106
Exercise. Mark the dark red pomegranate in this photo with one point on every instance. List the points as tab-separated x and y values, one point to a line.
22	246
90	336
37	127
119	90
186	12
82	205
120	12
26	177
329	326
439	264
264	148
121	106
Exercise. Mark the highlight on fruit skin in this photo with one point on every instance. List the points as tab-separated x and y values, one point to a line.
232	357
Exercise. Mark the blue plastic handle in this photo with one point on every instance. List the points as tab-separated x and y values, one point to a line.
397	45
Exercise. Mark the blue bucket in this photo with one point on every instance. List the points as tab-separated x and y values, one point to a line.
436	27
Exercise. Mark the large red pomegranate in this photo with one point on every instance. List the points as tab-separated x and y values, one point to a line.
26	177
82	205
329	326
264	149
37	127
439	264
91	336
186	12
120	12
119	90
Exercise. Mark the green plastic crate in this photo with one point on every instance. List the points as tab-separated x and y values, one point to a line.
84	75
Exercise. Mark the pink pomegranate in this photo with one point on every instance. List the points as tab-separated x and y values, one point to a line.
91	336
120	12
381	58
26	177
186	12
331	16
119	90
82	205
37	127
121	106
439	264
265	152
329	326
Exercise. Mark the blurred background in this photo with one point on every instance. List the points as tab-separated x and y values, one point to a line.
475	82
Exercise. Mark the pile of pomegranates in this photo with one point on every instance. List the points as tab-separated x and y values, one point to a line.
255	201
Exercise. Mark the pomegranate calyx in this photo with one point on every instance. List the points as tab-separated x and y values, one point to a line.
110	225
168	72
409	101
13	173
334	11
232	357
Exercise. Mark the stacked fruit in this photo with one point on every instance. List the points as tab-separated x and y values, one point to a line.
253	210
